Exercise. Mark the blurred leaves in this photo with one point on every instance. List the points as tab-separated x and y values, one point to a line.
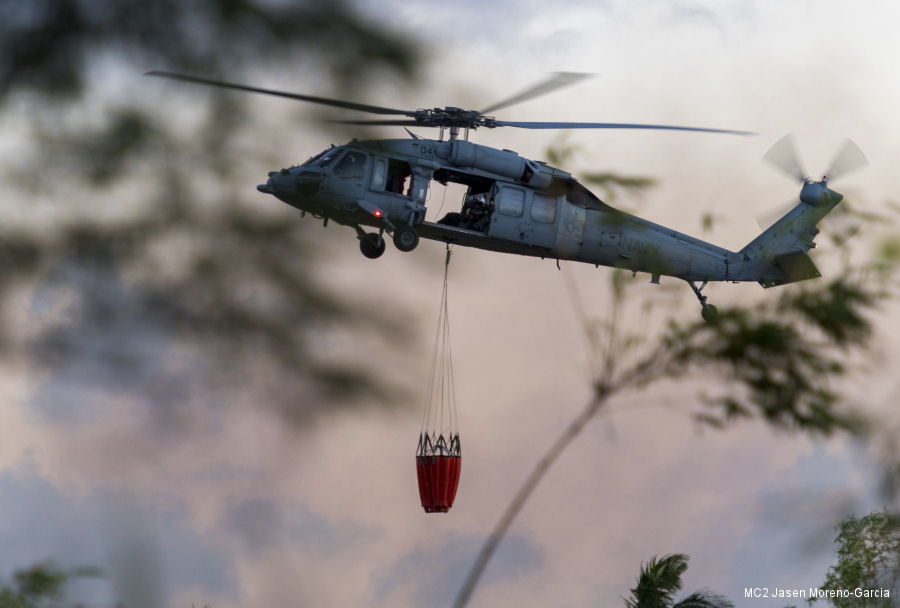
778	362
613	182
40	585
33	587
48	46
160	276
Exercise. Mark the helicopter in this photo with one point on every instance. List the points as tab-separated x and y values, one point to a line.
520	206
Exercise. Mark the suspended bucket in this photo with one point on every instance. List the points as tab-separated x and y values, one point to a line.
438	457
438	464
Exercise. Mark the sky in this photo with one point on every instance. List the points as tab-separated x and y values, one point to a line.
244	510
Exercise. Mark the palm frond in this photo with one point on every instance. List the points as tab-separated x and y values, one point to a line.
704	599
658	582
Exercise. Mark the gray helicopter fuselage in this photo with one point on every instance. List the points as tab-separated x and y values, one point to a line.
529	208
538	210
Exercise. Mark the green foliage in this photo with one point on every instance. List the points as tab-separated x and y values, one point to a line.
778	358
868	550
659	582
835	309
611	183
33	587
887	255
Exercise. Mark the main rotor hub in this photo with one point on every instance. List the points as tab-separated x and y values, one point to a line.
451	116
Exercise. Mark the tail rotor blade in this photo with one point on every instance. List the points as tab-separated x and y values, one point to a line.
848	159
783	156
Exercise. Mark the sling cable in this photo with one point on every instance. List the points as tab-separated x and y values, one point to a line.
438	456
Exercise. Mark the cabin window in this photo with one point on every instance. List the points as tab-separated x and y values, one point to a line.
512	202
543	209
379	174
351	166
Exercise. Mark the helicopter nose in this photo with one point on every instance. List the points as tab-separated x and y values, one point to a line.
267	188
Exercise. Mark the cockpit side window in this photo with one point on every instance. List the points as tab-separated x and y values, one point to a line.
351	166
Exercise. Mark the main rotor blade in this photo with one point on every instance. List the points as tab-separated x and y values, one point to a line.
783	156
611	125
388	123
338	103
849	158
558	80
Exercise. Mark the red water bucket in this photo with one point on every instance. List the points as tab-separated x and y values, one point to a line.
438	480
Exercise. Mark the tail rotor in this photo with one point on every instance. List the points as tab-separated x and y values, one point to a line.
784	157
845	221
848	159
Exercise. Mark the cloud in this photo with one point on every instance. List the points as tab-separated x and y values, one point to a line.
261	522
433	572
144	551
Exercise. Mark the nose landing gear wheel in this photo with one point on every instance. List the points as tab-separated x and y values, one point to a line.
405	238
371	245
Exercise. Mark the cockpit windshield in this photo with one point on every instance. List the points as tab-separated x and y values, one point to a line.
323	158
313	159
328	158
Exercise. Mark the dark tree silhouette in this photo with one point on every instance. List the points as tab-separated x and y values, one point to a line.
182	282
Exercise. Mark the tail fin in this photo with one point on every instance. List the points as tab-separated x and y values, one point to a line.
779	255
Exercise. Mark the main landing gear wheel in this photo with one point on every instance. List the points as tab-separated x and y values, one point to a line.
371	245
405	238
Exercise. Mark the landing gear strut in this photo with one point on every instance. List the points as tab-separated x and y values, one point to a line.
709	312
371	244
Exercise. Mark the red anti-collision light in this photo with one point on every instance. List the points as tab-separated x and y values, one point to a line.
377	213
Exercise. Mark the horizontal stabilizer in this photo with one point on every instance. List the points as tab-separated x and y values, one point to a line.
794	266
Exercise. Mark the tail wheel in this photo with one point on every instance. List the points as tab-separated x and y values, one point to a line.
372	245
405	238
709	313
